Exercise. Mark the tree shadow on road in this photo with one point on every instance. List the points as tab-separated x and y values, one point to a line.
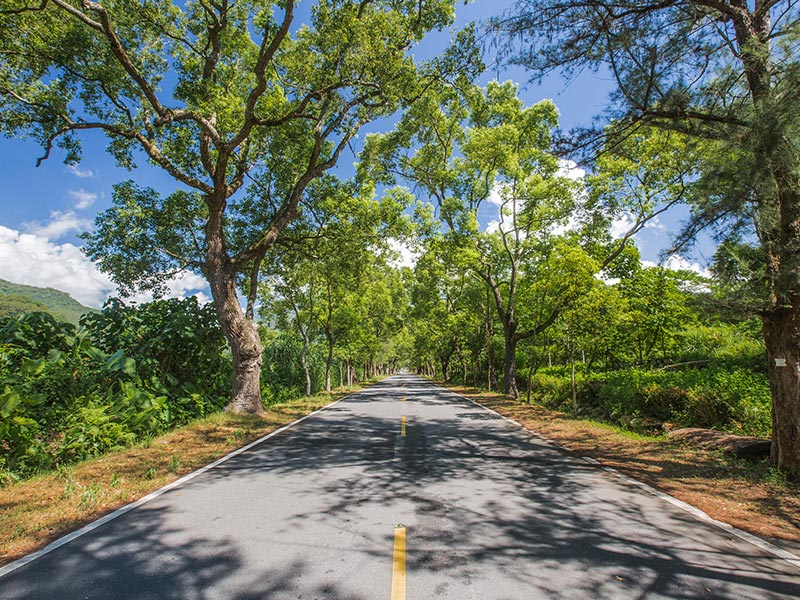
493	511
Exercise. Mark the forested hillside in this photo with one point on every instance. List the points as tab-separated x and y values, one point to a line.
17	299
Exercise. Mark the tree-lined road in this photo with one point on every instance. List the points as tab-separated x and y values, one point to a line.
489	512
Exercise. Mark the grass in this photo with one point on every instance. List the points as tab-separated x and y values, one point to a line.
38	510
751	495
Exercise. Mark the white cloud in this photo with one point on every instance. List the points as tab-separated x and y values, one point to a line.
406	256
83	199
59	225
33	259
623	224
494	196
82	173
676	262
570	170
181	286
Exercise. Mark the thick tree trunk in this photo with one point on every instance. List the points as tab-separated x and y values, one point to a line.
510	366
241	333
782	340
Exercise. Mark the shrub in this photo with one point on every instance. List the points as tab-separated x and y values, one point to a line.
724	397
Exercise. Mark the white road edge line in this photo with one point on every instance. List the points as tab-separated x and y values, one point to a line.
21	562
756	541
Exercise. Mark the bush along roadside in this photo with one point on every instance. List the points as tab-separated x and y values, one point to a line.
717	396
125	375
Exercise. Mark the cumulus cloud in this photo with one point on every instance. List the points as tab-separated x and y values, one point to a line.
83	199
622	225
676	262
60	224
405	255
570	170
182	285
81	173
494	196
33	259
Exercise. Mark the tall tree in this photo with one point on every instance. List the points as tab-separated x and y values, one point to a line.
724	72
221	95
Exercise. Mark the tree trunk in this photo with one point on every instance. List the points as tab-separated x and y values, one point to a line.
491	377
782	340
328	365
241	332
510	366
531	368
304	362
341	376
572	365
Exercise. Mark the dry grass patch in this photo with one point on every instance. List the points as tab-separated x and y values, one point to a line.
748	495
36	511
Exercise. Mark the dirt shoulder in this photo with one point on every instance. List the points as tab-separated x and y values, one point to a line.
747	495
39	510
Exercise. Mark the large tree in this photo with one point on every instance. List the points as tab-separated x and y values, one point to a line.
241	104
725	73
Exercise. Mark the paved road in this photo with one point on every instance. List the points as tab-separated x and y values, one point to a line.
490	513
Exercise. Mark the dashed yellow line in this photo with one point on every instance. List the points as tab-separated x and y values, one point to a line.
399	564
404	398
403	426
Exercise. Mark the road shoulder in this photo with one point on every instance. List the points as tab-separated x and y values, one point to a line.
727	490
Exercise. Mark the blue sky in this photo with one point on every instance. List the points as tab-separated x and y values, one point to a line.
43	209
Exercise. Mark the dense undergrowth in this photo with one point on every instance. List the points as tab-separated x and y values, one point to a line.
715	379
122	376
735	400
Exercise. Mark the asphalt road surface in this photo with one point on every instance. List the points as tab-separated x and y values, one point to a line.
488	512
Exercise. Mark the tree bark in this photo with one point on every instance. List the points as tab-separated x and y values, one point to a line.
510	365
304	363
329	365
241	332
491	377
782	338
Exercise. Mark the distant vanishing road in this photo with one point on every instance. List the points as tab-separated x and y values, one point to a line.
405	490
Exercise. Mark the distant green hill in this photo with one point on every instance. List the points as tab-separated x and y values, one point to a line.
17	299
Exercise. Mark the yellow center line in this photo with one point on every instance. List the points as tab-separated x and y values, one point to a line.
403	427
399	564
404	398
